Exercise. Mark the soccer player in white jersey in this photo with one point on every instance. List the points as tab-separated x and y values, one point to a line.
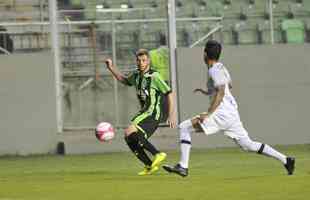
222	116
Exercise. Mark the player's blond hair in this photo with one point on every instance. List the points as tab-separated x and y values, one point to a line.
142	52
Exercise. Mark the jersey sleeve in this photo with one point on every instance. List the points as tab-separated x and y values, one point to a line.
130	79
159	83
218	77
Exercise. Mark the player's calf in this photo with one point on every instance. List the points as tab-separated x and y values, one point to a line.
133	144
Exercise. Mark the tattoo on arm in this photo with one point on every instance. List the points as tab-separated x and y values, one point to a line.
218	98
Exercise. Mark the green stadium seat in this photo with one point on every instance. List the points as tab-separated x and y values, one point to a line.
294	31
76	2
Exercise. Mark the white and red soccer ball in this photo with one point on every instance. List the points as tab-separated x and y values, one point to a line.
104	132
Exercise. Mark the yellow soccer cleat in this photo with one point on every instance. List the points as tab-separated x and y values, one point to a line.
145	171
159	158
148	170
154	169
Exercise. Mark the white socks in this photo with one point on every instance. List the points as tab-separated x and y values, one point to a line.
185	153
248	145
269	151
185	139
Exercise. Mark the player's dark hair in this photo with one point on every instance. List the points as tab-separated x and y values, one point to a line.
213	49
142	52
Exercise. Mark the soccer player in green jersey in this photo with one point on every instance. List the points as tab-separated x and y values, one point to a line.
150	89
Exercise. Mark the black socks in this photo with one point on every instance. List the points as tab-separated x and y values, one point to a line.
134	145
146	144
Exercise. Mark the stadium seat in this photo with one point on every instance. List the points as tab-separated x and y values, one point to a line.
246	13
227	2
184	39
6	4
308	32
264	32
294	31
215	9
202	3
245	33
179	3
154	4
76	2
251	2
6	41
225	35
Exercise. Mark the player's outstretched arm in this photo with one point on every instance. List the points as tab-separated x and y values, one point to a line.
171	117
202	91
113	69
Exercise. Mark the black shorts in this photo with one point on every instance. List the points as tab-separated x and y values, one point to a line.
165	109
146	125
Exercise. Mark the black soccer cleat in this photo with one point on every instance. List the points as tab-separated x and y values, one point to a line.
177	169
290	165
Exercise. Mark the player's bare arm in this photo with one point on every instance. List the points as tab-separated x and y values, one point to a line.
171	116
113	69
202	91
216	101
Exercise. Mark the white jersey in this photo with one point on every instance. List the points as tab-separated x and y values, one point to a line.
227	112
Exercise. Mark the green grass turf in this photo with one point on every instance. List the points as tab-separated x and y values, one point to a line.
214	174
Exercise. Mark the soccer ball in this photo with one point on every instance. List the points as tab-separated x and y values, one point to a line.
104	132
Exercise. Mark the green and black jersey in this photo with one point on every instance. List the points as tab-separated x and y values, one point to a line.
150	89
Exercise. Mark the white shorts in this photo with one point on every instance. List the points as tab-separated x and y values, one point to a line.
234	129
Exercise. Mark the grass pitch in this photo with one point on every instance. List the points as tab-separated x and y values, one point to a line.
214	174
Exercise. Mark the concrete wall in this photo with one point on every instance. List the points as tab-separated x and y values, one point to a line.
271	85
89	105
27	108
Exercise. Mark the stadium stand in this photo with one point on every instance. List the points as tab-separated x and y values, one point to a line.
244	22
6	42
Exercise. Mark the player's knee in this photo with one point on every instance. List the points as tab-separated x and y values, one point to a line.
249	145
130	130
127	133
185	135
185	130
245	148
185	124
255	146
130	137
